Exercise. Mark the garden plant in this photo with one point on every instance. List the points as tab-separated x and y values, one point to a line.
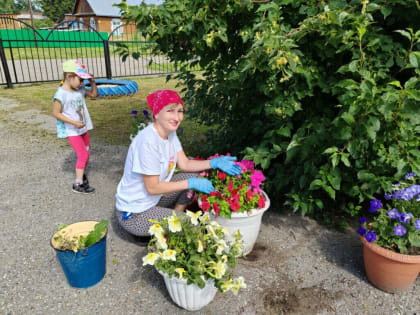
323	95
192	247
233	194
63	240
396	225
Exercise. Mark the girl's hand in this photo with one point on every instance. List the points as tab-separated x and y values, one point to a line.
78	124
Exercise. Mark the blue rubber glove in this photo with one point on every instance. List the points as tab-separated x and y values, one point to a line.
226	164
200	184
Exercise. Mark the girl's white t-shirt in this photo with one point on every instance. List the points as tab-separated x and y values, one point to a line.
148	154
74	107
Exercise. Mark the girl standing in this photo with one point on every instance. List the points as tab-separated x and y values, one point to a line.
73	120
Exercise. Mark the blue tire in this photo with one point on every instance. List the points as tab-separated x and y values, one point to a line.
121	87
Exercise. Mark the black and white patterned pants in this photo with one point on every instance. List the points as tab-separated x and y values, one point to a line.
138	224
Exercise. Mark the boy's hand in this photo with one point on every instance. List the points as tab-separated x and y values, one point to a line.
79	124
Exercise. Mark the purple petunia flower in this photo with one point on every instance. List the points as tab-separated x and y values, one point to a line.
362	220
393	214
405	217
134	112
399	230
375	205
371	236
361	231
410	175
146	114
396	195
388	196
417	224
407	194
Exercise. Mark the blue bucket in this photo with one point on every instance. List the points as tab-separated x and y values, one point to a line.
87	266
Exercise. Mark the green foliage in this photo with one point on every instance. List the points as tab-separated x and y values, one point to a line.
324	95
139	122
8	6
94	236
43	23
55	9
23	5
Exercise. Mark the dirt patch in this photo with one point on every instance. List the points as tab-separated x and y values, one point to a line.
311	300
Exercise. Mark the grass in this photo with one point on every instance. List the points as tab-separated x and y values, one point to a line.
111	117
145	49
169	66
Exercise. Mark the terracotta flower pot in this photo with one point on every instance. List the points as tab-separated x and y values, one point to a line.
387	270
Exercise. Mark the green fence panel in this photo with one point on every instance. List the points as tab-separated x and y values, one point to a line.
58	39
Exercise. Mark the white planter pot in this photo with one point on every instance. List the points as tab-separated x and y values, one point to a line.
189	296
248	224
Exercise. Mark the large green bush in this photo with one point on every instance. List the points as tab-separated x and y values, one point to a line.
324	95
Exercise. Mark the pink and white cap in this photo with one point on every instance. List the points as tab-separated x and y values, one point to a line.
76	67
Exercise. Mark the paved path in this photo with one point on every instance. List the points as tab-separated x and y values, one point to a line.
297	266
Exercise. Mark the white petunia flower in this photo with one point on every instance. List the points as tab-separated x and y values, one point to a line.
174	223
168	254
161	241
194	216
238	284
155	229
180	272
200	246
150	259
205	218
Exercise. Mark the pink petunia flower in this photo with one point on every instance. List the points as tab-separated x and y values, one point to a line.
205	206
221	175
261	202
235	206
246	165
216	208
256	178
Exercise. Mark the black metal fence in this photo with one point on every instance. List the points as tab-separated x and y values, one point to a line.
29	55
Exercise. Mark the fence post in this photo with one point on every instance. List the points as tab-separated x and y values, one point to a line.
107	60
5	66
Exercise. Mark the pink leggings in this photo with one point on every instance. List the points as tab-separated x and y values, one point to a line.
80	145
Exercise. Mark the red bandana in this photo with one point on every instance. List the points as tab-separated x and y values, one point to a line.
161	98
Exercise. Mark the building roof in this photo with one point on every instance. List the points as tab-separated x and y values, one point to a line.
107	8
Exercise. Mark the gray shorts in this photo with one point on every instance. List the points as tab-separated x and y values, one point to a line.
138	224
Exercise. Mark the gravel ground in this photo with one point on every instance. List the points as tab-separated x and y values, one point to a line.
297	266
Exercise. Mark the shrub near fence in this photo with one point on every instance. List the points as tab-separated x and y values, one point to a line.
325	94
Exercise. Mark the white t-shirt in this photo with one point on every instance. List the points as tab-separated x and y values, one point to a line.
74	107
148	154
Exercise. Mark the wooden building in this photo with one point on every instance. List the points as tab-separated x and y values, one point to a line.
22	16
103	16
